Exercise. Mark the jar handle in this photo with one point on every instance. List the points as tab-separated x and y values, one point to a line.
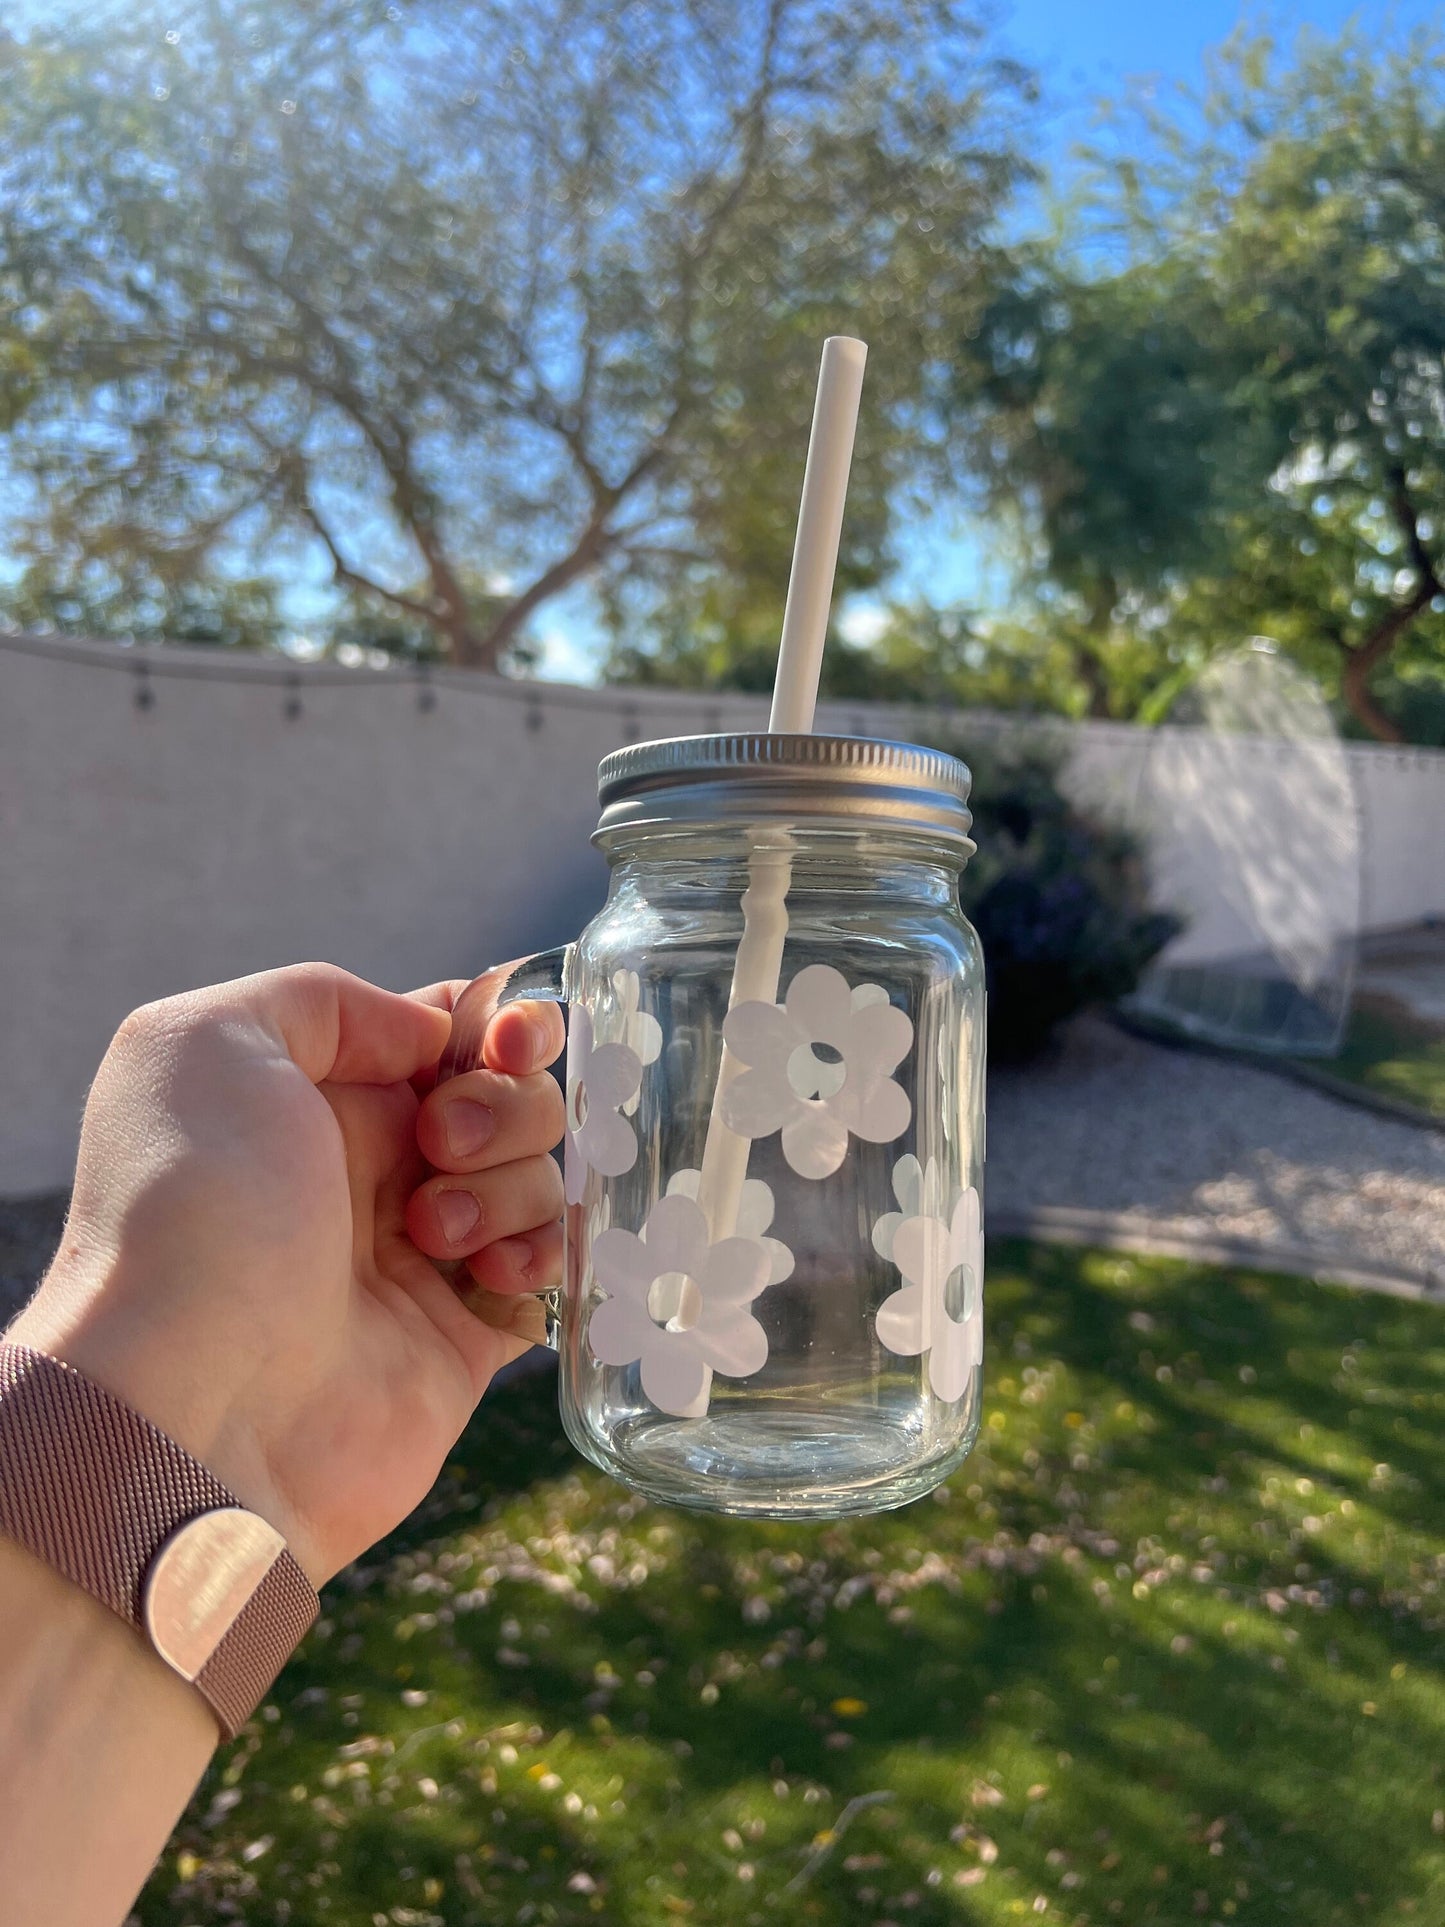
540	978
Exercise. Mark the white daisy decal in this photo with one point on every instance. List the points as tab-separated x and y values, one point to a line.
939	1308
819	1068
601	1079
755	1214
919	1191
679	1305
638	1029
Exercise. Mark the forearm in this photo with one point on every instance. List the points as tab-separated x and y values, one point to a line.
100	1748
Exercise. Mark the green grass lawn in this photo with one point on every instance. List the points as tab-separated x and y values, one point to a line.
1388	1051
1168	1649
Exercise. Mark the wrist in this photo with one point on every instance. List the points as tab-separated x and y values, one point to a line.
84	1322
96	1491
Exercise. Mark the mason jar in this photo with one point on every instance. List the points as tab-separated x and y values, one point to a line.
773	1299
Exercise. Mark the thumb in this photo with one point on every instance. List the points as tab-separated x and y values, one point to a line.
340	1029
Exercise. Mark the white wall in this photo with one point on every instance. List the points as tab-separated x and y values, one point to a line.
174	818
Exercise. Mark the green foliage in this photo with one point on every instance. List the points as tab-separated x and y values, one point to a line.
1060	902
1178	1616
1106	409
937	658
1228	420
233	612
1392	1053
445	294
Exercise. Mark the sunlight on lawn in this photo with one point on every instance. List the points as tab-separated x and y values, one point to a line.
1388	1051
1168	1649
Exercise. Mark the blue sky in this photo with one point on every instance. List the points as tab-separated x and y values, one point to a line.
1083	47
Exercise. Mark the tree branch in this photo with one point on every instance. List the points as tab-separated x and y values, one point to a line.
344	575
594	542
1409	524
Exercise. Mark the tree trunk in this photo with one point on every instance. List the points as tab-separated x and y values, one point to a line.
1090	672
1088	661
1361	661
465	648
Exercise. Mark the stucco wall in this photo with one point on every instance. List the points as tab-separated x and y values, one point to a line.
174	819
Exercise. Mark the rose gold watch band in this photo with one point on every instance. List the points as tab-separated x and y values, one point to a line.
103	1496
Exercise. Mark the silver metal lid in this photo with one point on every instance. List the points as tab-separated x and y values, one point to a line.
847	780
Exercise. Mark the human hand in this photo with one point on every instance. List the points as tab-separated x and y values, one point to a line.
244	1256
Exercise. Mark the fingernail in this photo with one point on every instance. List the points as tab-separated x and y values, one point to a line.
457	1213
541	1040
469	1126
522	1252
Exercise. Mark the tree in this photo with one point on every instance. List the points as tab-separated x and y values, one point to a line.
473	302
1237	424
1104	424
935	659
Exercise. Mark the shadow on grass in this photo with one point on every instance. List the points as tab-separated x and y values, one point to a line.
1168	1650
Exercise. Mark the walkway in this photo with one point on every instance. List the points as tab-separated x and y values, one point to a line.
1114	1140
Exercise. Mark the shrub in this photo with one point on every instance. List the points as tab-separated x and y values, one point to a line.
1059	900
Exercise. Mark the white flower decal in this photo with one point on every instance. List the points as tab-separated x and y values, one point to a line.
819	1067
679	1305
939	1308
755	1214
919	1191
601	1078
638	1029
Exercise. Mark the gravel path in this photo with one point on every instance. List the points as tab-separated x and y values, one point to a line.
1189	1147
1112	1139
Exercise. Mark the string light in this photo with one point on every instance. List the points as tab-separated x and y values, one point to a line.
183	664
151	662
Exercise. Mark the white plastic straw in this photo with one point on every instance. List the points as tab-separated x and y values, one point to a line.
820	524
795	698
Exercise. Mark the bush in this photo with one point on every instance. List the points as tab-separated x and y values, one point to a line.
1059	901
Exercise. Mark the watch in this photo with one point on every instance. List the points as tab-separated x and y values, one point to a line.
103	1496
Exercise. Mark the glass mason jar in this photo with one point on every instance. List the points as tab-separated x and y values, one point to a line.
775	1136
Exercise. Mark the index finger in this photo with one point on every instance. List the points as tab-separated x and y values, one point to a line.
334	1026
517	1038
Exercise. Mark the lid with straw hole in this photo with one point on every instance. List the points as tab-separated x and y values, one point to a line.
761	776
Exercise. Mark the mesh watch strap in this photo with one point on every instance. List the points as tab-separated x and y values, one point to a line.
98	1492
